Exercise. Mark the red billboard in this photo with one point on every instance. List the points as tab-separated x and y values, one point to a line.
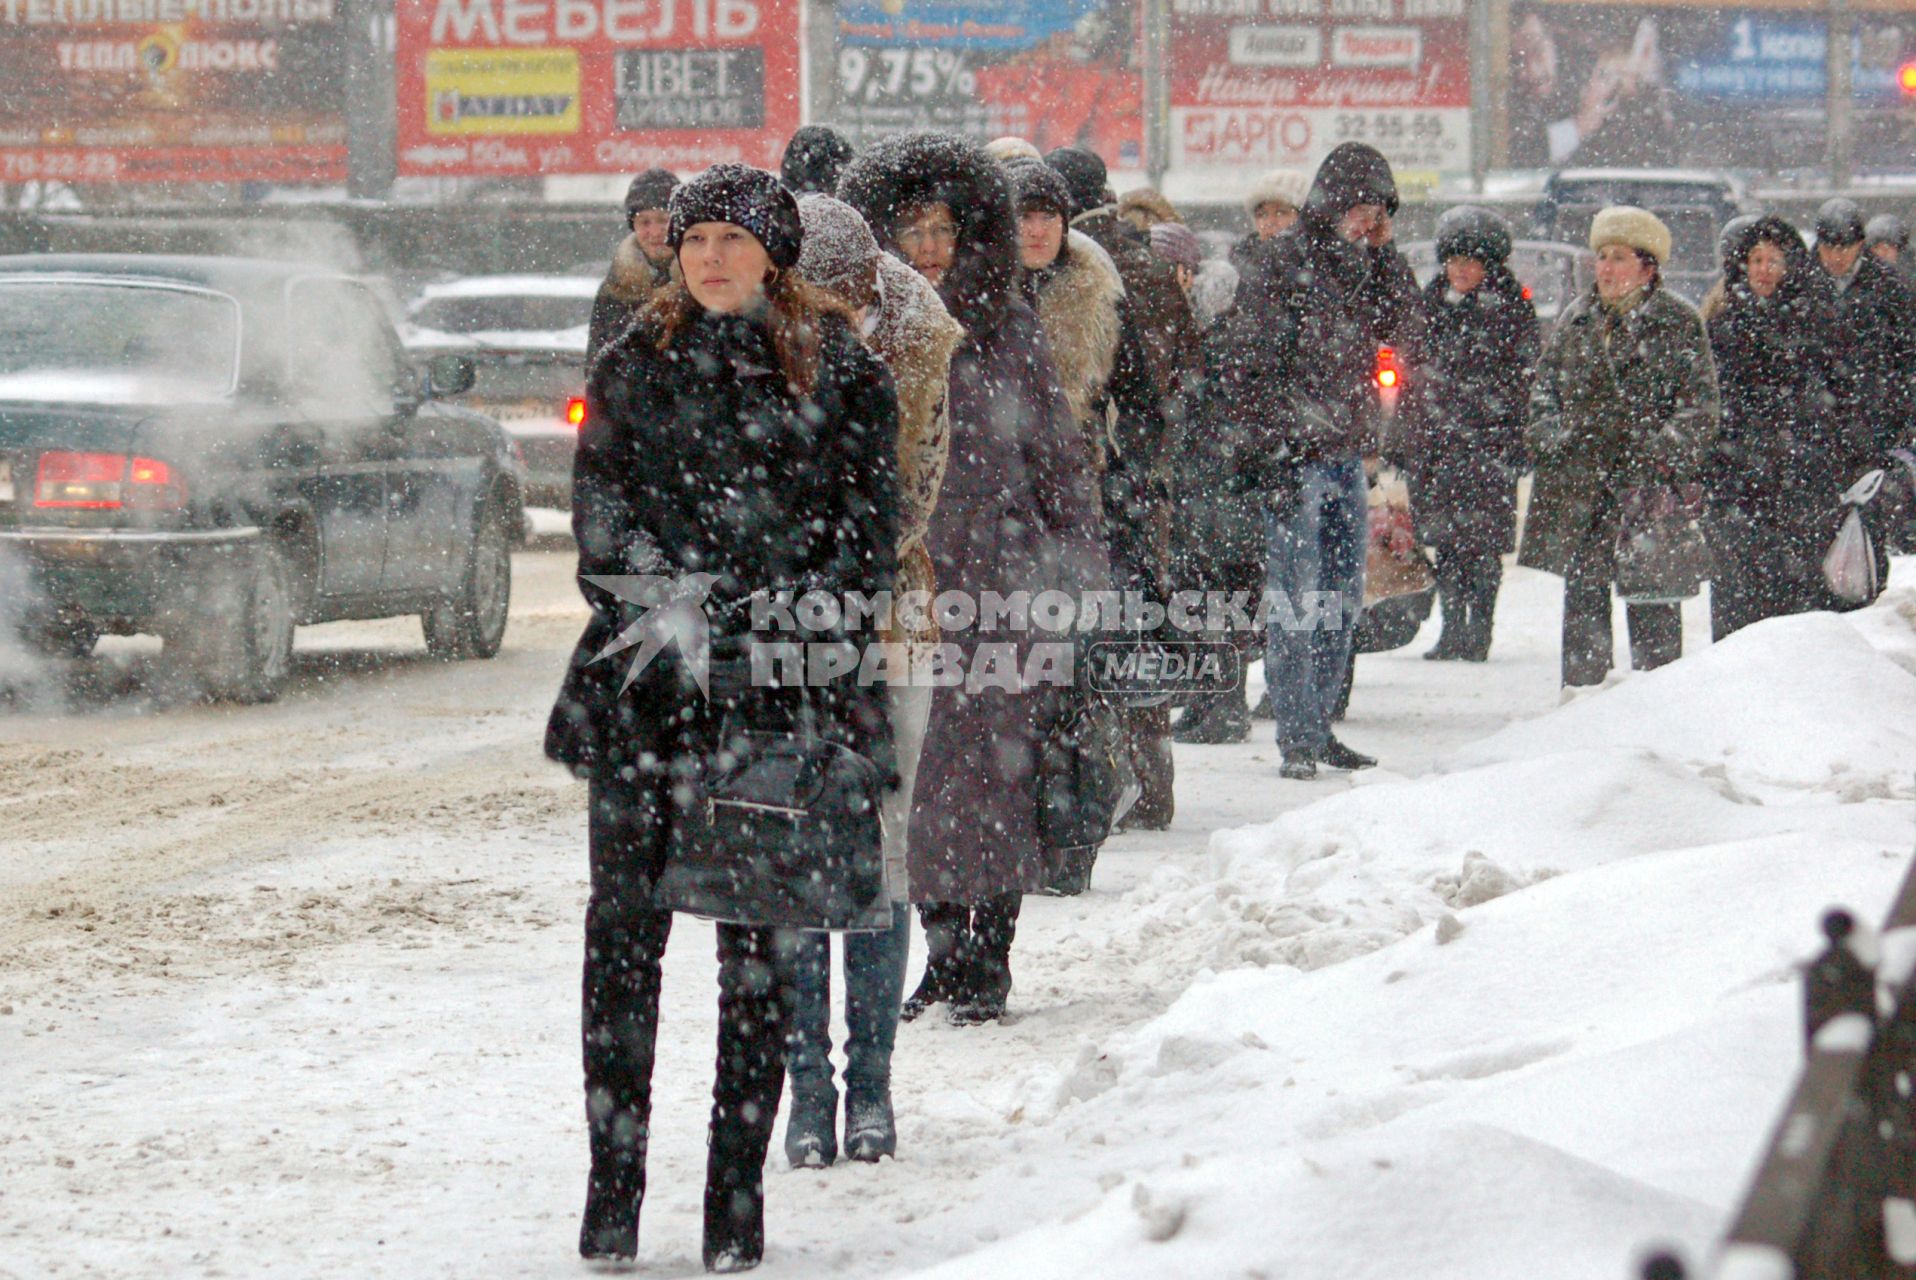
495	88
1265	83
171	91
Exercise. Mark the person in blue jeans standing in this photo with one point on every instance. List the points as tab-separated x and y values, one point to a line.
1314	305
903	322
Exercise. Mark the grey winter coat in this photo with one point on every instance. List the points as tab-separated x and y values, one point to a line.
1618	402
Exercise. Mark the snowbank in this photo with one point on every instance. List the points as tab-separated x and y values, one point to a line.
1513	1019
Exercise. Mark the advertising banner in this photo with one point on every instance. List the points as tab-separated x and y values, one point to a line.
1257	84
171	91
491	88
1599	85
1058	72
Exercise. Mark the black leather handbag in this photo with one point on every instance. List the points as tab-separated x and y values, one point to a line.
778	827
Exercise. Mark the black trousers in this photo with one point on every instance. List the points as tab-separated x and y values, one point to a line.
1469	574
968	947
625	939
1656	630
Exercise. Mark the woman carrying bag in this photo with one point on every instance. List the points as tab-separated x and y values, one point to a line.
1622	412
740	438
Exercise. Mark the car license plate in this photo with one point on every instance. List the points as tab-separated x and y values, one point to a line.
521	410
6	481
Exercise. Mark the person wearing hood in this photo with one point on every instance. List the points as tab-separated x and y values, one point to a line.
1313	307
1018	512
1876	339
902	321
642	263
736	369
1771	476
1625	398
1137	480
1462	421
814	159
1275	202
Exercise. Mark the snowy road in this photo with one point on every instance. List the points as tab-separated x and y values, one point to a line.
292	991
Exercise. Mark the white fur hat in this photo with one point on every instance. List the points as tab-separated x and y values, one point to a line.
1009	148
1279	186
1634	228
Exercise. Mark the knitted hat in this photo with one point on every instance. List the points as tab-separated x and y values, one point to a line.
1037	188
1009	148
650	190
1279	186
745	197
840	253
1634	228
1084	175
814	158
1471	231
1840	222
1177	244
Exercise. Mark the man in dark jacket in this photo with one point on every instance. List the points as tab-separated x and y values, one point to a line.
1313	308
1137	481
641	263
1876	339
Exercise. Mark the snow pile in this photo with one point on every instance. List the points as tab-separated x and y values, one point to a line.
1513	1019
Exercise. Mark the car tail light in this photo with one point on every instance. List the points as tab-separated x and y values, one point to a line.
105	481
1386	368
575	411
1526	293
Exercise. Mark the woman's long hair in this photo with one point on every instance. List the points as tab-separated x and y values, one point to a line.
795	314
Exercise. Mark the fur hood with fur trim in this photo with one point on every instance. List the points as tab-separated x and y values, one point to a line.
915	169
1078	300
629	284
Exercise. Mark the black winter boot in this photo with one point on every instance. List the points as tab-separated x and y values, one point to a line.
870	1132
947	931
609	1229
811	1125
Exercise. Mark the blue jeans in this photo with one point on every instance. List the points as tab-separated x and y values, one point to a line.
1317	548
874	988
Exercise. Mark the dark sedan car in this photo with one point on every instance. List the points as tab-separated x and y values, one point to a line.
217	450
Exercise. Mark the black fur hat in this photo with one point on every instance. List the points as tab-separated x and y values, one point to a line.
1084	176
814	158
745	197
1472	231
1353	173
650	190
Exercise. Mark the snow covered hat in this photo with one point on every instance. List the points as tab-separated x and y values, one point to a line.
814	158
745	197
650	190
1084	175
1633	228
1177	244
840	252
1037	188
1887	228
1287	187
1010	148
1840	222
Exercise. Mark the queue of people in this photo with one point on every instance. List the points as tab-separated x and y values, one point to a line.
950	368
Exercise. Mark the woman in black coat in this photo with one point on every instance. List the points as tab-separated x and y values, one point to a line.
1464	421
739	437
1778	466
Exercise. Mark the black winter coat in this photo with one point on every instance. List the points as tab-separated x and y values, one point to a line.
1311	313
1462	415
1876	349
701	458
1218	536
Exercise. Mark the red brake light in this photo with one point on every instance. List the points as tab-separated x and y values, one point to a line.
105	481
1906	79
1526	293
575	411
1386	367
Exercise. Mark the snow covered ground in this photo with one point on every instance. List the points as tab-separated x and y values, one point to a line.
292	991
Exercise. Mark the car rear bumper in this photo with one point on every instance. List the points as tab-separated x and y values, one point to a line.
116	578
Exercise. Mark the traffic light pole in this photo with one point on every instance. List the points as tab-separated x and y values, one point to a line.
1840	109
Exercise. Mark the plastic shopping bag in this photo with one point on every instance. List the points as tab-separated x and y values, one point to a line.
1849	566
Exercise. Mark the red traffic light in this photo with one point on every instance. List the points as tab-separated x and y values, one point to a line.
1386	367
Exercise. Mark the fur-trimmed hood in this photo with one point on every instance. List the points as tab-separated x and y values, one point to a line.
1078	300
632	278
915	169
